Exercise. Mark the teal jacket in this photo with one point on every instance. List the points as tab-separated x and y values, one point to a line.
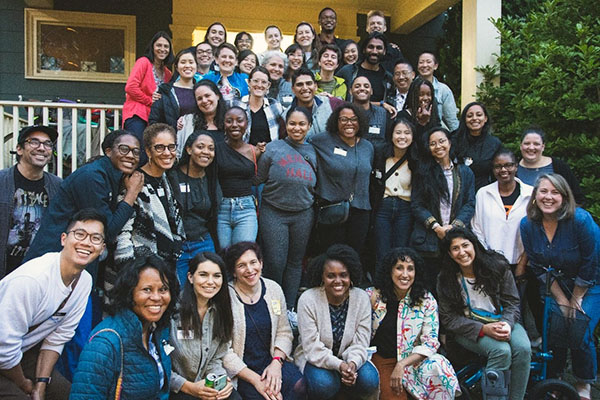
100	362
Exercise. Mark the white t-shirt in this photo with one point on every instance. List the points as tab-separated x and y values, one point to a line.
478	298
31	295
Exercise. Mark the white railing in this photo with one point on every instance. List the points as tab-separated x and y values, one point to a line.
66	118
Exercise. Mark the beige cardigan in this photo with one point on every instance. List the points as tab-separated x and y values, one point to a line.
281	332
316	336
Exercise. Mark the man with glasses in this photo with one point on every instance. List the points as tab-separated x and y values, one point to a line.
204	59
26	193
404	74
42	303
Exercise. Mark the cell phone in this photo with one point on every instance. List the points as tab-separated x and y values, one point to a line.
220	382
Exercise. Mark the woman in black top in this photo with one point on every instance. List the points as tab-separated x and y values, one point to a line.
196	188
236	160
211	109
474	144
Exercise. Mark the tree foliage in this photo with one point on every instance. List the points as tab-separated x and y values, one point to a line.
549	70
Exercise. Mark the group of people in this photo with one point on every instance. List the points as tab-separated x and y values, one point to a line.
241	178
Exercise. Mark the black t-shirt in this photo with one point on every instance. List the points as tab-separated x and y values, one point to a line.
196	205
377	81
509	200
386	336
30	202
259	131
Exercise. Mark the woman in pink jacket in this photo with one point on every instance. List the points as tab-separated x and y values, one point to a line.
147	74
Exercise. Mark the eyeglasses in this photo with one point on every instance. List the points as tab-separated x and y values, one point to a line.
35	143
124	150
507	166
207	52
440	142
402	74
259	82
81	234
345	120
160	148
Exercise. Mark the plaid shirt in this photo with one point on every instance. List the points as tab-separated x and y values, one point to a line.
273	111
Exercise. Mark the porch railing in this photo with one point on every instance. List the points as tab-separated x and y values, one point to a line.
87	123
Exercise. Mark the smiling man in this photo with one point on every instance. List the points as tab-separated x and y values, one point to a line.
379	119
328	23
304	88
26	194
42	302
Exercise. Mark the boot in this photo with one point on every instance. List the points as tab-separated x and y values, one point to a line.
495	384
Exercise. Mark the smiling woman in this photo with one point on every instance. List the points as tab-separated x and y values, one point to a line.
141	305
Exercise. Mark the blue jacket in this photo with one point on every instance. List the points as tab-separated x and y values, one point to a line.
423	238
237	80
94	185
100	363
7	204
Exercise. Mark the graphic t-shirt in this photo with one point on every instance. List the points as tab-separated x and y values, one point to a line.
30	202
509	201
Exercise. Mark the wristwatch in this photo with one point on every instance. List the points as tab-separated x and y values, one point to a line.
44	379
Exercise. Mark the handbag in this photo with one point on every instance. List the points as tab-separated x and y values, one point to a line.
119	385
477	314
337	213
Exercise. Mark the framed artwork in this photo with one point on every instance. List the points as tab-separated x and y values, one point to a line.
78	46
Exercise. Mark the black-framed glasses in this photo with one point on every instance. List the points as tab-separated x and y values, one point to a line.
345	120
507	166
35	143
160	148
207	52
124	150
81	234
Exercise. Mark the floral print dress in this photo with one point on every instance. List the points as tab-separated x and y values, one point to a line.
417	332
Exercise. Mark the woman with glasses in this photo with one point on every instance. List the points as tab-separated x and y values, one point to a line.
156	226
474	144
264	113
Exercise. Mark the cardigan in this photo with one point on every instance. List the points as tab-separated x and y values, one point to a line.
460	324
139	88
493	229
316	336
7	204
100	362
423	238
196	357
281	332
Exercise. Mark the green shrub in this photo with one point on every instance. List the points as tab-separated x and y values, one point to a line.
549	70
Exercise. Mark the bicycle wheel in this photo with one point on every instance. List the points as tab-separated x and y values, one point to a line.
553	389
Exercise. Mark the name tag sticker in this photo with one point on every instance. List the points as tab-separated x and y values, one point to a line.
378	174
182	335
276	306
374	130
183	188
287	98
160	192
340	152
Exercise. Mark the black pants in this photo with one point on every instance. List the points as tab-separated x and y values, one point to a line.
353	232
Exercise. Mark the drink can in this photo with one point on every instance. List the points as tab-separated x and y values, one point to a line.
210	380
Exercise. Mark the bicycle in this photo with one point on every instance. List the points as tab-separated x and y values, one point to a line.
540	387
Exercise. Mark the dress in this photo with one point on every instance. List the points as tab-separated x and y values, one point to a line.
100	362
434	377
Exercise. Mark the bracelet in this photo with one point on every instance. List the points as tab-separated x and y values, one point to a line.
43	379
278	359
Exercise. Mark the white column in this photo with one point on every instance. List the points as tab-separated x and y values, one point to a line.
480	41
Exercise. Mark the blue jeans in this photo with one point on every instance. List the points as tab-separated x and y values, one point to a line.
190	249
236	221
585	364
326	384
393	226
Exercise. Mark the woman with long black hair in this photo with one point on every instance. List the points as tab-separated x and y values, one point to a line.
211	109
196	188
479	306
443	199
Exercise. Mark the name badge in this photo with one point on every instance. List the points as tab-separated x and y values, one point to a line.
287	99
378	174
276	306
374	130
160	192
167	347
183	187
340	152
182	335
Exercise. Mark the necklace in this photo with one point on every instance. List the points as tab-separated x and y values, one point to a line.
250	298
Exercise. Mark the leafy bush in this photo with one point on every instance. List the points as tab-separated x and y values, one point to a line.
549	71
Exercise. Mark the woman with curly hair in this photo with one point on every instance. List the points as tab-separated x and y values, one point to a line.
405	331
137	331
479	306
334	321
475	146
345	162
